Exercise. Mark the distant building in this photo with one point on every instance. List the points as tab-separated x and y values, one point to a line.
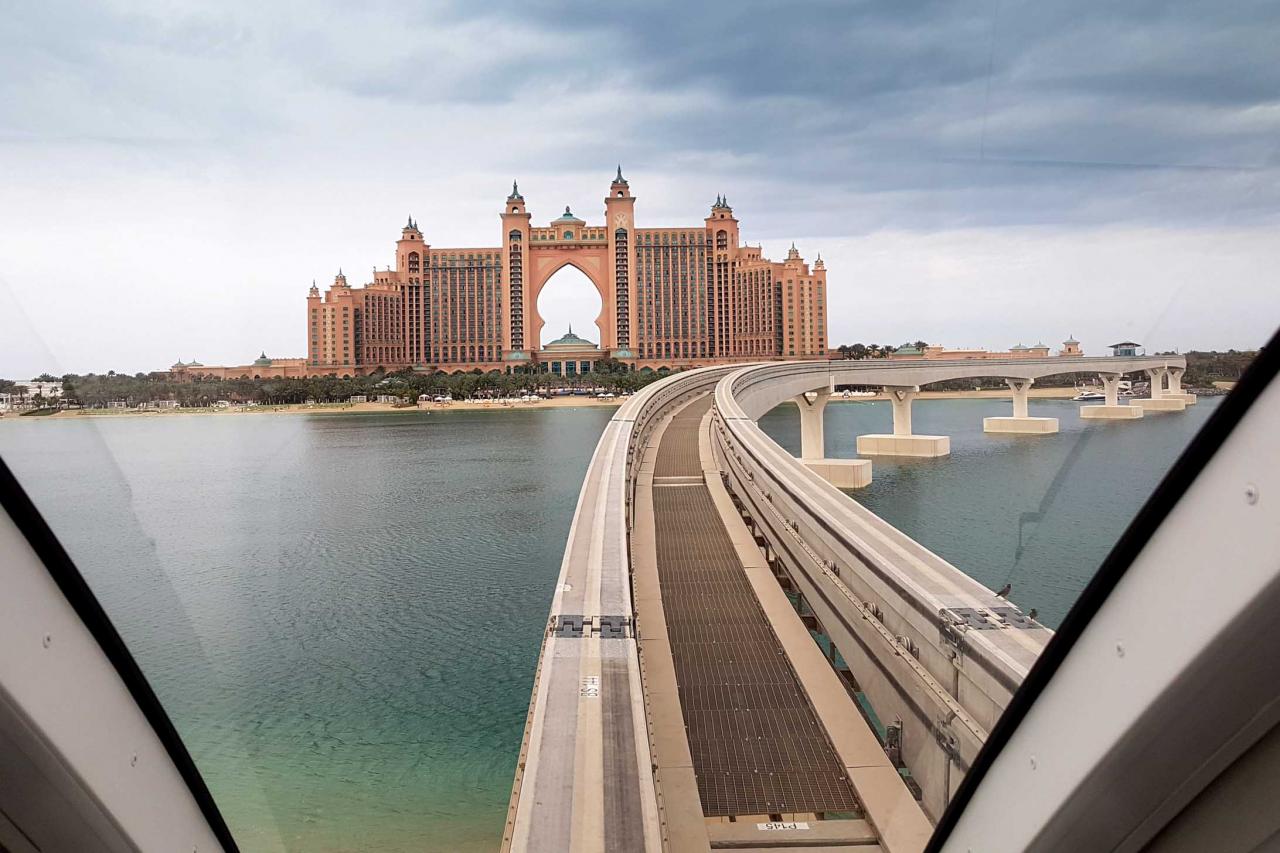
932	352
1126	349
32	388
262	367
672	297
568	355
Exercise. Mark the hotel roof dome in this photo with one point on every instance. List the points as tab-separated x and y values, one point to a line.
570	341
568	216
262	360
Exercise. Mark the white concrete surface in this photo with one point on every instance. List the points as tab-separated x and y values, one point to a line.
1110	413
1021	425
842	473
881	444
1159	404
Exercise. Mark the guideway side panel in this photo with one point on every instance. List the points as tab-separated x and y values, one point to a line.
756	744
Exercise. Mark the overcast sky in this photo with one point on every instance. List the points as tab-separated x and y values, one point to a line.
175	174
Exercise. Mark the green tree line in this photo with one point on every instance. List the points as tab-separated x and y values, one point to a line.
96	390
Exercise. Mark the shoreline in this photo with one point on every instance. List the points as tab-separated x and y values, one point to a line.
474	406
326	409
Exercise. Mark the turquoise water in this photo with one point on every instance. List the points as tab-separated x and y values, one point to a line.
342	612
1038	511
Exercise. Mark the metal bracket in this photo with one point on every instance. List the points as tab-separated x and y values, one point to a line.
576	626
972	617
568	626
1014	618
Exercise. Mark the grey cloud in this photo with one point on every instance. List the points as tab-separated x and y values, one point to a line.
923	114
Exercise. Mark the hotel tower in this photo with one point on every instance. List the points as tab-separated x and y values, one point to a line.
671	296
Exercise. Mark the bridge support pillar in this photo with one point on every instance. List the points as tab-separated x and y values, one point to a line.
1174	390
841	473
812	409
902	442
1021	422
1158	402
1111	409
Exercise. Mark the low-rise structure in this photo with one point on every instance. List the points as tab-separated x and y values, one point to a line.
261	367
1070	348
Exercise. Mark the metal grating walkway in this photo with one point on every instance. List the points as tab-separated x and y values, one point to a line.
756	744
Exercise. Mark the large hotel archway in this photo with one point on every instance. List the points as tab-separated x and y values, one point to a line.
569	299
670	296
553	261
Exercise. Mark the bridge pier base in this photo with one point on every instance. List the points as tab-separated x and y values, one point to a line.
842	473
1111	413
1111	409
902	442
1021	422
1160	404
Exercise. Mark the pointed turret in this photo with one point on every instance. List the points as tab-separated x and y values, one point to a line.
793	254
410	231
818	263
619	188
515	192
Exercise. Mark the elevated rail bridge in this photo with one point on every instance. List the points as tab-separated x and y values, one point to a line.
681	701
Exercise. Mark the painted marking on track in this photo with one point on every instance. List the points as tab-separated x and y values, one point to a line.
783	825
590	687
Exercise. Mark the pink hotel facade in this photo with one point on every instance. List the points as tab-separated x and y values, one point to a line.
671	297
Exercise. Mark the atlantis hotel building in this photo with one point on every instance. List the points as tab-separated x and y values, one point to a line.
672	297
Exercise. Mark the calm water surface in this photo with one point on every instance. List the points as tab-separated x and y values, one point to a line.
342	612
